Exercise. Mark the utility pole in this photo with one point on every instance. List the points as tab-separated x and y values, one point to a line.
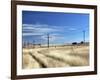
84	36
48	40
33	44
28	44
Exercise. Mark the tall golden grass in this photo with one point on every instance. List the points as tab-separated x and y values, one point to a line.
67	56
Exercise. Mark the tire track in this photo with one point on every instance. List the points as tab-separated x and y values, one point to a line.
47	61
53	57
68	59
38	60
29	62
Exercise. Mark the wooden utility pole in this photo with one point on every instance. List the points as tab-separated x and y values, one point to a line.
84	36
48	40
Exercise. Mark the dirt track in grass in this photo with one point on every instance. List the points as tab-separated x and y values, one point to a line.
63	56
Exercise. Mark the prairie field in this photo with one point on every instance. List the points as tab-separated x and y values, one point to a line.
59	56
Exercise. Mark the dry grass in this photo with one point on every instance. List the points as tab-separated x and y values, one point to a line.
56	57
29	62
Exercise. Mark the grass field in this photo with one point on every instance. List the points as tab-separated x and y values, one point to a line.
61	56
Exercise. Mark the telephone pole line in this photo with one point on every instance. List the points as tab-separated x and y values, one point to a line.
84	36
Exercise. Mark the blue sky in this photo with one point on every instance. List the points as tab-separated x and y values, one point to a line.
62	27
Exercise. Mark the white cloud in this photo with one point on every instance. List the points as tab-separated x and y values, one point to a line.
31	34
35	25
34	29
53	37
72	29
39	29
25	25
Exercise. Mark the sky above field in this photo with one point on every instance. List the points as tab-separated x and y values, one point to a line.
62	28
